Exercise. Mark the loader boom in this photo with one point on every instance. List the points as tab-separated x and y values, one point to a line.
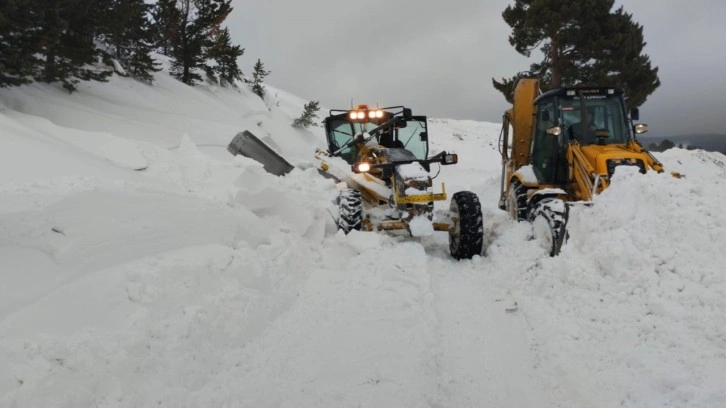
522	113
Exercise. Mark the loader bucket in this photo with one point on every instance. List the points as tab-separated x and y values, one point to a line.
248	145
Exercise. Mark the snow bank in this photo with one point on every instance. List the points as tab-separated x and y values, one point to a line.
634	304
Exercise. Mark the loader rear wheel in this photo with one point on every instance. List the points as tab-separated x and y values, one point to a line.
549	223
350	207
466	233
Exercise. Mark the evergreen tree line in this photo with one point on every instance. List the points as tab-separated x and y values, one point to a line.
666	144
68	41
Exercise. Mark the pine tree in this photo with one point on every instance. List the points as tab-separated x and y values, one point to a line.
306	119
67	29
258	75
18	43
199	19
224	54
582	42
166	19
129	33
141	65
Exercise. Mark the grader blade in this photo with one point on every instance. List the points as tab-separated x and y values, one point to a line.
248	145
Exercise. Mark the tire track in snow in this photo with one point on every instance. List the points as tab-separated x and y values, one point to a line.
487	357
362	332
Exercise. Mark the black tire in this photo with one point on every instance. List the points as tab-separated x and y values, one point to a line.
517	201
466	234
549	223
350	210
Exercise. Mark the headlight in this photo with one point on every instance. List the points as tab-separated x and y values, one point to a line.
361	167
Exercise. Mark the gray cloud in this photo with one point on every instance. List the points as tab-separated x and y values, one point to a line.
439	57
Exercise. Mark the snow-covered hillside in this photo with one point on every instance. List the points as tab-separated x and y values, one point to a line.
142	265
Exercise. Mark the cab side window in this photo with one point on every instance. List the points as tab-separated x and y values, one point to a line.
413	138
544	144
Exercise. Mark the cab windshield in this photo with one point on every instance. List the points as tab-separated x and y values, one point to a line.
411	135
342	131
602	116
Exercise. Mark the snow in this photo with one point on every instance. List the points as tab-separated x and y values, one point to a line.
372	184
420	226
527	174
412	171
143	265
412	191
117	67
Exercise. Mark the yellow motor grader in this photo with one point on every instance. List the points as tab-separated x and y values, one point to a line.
381	154
564	147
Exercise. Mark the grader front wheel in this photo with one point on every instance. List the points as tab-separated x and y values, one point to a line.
466	233
350	206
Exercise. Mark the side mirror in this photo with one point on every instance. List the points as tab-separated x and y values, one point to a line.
423	136
444	158
401	123
407	114
640	128
449	159
635	114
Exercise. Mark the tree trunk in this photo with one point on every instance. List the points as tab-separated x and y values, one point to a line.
555	66
50	66
185	74
51	32
184	31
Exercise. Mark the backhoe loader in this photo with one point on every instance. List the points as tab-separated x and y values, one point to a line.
382	156
564	147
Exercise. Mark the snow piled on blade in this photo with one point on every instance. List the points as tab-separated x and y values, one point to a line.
412	171
143	265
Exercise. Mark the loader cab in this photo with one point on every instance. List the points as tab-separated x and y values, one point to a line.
588	116
393	127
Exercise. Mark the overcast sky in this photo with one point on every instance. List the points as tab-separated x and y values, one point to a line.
438	57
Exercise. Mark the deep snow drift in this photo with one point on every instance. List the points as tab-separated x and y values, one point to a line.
142	266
